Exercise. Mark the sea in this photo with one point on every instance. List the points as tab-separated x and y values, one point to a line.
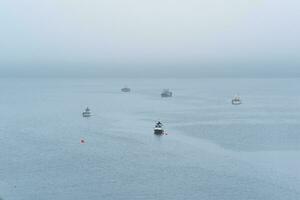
212	150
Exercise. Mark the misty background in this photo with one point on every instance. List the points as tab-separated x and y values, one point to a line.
158	38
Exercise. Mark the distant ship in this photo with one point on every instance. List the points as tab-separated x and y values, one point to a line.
236	100
166	93
87	112
125	89
158	129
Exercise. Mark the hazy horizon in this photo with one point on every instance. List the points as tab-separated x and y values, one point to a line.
137	38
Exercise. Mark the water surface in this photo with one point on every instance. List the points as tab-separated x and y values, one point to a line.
213	150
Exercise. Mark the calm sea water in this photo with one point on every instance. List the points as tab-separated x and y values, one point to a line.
213	150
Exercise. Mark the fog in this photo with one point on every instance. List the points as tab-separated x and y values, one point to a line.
158	38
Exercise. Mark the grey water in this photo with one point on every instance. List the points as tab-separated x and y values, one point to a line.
212	151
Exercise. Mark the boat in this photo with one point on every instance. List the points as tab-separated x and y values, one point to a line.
158	129
236	100
87	112
125	89
166	93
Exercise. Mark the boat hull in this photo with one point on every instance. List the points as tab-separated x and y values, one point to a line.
166	95
158	131
86	115
125	90
236	102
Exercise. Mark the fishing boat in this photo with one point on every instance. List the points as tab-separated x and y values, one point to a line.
125	89
87	112
158	129
166	93
236	100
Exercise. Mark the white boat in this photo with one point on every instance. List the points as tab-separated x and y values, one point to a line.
236	100
87	112
166	93
125	89
158	129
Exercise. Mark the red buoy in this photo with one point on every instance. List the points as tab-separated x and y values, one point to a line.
82	141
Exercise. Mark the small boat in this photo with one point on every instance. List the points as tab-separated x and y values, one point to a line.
87	113
166	93
236	100
158	129
125	89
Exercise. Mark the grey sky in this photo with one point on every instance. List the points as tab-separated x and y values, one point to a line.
189	37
